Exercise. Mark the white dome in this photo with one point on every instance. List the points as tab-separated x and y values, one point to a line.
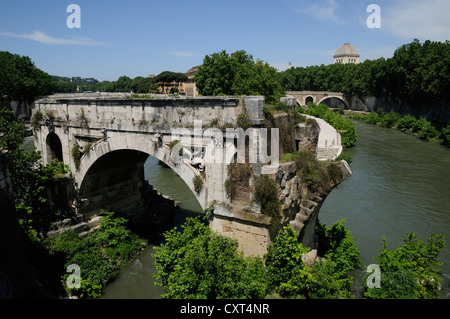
346	50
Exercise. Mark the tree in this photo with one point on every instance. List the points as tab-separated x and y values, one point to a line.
123	84
418	73
237	74
216	75
143	85
198	263
168	78
413	265
30	179
283	258
20	79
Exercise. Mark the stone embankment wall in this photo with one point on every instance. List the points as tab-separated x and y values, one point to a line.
433	112
21	109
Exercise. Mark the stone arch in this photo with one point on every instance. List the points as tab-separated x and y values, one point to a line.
335	98
309	99
131	142
53	147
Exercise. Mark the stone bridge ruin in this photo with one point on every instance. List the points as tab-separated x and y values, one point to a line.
105	139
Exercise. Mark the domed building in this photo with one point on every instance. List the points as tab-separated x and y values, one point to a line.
346	54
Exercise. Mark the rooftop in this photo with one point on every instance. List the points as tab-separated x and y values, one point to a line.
346	50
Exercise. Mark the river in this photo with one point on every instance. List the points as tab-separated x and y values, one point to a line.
135	280
400	184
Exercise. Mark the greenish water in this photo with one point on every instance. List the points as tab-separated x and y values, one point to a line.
135	280
399	185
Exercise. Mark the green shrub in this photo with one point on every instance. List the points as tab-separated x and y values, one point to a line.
199	263
283	258
76	154
390	119
289	277
406	123
446	134
238	178
266	195
198	183
36	119
244	121
415	262
345	156
344	126
100	255
429	132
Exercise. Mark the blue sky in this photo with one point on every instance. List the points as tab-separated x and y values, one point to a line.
138	37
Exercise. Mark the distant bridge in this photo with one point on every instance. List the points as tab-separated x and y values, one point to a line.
318	97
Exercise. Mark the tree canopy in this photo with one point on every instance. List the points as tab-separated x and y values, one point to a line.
169	77
20	79
416	73
237	74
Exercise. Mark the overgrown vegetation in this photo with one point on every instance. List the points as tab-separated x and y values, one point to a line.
238	179
409	124
342	124
244	121
76	155
285	118
316	174
198	183
36	119
30	179
100	254
266	195
198	263
410	271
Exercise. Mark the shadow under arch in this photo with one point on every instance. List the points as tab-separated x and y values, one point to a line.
334	102
119	160
309	99
53	147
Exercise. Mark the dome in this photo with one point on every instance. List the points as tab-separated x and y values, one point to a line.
346	50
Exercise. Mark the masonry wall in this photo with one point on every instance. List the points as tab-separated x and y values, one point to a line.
432	112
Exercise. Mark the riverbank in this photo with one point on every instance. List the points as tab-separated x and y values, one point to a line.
419	127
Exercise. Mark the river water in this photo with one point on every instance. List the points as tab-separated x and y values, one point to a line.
135	280
399	185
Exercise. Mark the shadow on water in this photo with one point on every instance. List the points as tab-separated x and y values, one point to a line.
135	281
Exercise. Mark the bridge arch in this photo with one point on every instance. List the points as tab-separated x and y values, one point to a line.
334	99
309	99
53	147
121	153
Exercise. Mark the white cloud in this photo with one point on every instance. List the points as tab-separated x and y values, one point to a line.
183	54
322	10
46	39
418	19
